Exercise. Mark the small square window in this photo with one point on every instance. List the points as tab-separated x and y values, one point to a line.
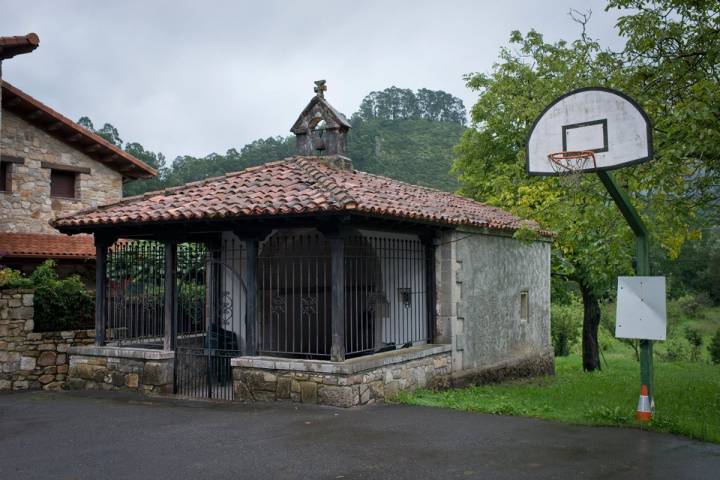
524	306
4	177
62	184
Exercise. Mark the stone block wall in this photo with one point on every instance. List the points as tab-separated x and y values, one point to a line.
28	207
32	360
121	369
354	382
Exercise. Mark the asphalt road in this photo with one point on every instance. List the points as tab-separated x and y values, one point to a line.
97	436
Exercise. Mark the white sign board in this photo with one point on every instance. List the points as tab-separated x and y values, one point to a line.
641	308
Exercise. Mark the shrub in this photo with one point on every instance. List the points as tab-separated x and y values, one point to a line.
10	278
690	304
59	304
565	327
695	340
677	349
714	348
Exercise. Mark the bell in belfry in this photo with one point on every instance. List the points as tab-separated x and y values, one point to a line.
320	129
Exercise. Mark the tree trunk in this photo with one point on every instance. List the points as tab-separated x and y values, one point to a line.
591	322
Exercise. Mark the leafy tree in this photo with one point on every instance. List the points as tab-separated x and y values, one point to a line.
155	160
416	151
107	132
402	104
593	243
111	134
86	123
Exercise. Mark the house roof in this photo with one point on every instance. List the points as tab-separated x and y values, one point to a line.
61	127
11	46
36	245
296	186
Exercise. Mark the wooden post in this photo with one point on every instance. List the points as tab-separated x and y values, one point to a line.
430	288
170	304
250	280
101	248
337	311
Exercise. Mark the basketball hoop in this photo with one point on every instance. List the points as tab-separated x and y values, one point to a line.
569	166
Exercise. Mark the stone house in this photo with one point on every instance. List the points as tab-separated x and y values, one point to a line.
49	165
306	280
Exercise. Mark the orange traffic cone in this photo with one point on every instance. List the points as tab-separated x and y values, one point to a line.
644	412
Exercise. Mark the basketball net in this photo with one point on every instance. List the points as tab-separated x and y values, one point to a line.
569	166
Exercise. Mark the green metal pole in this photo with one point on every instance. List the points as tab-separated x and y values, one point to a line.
642	267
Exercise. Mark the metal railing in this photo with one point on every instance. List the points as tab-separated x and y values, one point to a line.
386	299
135	289
294	295
385	294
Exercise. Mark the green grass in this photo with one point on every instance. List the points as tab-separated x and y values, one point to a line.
687	396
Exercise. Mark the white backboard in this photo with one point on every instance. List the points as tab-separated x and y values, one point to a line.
604	121
641	308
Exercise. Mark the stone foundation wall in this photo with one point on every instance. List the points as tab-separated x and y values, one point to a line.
121	369
32	360
354	382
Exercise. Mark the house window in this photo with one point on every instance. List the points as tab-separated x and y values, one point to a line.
4	177
62	184
6	171
524	306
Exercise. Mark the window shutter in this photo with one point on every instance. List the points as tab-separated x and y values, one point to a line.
62	184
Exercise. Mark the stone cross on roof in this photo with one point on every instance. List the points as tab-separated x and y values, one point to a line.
320	129
320	88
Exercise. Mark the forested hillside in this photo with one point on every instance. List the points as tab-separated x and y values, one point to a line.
396	132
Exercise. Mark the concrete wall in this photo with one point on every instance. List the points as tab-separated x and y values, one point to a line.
480	279
28	207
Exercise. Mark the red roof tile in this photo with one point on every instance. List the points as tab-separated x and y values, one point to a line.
36	245
296	185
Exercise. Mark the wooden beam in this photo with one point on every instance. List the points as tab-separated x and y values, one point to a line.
34	115
431	244
93	148
11	103
101	248
250	280
11	159
170	303
337	311
54	126
66	168
74	138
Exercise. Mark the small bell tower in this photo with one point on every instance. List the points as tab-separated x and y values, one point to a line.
320	129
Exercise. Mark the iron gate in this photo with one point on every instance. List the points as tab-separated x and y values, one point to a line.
209	319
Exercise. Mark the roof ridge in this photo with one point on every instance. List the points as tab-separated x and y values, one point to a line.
339	194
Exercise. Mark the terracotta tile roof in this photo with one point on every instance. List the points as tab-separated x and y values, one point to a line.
11	46
57	125
296	185
36	245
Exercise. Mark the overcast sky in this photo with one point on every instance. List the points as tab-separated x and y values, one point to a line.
197	77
